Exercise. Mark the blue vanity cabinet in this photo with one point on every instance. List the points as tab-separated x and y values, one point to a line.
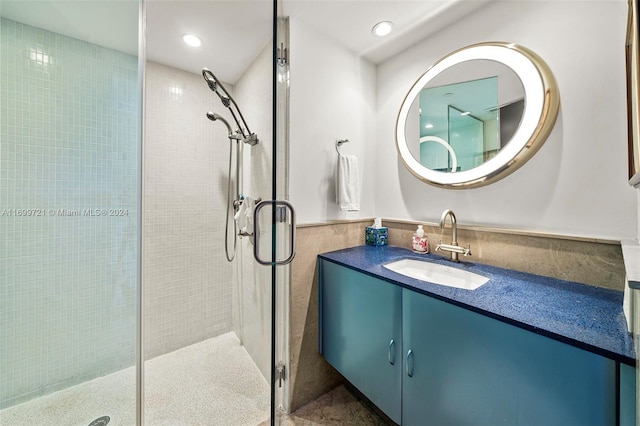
422	360
361	334
628	398
465	368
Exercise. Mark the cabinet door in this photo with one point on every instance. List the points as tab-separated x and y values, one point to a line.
628	399
468	369
360	333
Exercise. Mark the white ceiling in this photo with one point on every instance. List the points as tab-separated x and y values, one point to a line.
232	33
235	31
109	23
349	22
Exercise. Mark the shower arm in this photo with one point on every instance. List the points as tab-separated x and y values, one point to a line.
228	101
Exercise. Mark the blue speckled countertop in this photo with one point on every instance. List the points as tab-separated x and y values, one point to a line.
585	316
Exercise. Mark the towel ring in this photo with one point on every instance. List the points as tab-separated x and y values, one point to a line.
340	142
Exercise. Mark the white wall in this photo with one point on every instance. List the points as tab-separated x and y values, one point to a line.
576	184
332	97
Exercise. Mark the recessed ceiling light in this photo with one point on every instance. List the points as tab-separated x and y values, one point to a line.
428	126
383	28
192	40
448	95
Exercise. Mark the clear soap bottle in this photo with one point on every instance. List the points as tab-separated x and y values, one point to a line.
419	242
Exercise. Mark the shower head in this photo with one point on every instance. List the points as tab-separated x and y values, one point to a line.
227	100
214	117
211	80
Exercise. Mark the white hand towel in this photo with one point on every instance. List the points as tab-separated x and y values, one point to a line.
244	216
240	217
348	183
250	207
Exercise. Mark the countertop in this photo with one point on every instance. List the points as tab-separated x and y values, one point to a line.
631	255
584	316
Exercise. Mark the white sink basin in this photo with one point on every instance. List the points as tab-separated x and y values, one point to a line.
437	274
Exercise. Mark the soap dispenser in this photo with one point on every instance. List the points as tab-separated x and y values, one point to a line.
419	242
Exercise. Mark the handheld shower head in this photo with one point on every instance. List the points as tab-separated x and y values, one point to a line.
214	117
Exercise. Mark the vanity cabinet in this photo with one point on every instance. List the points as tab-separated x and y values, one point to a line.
627	395
361	334
448	365
469	369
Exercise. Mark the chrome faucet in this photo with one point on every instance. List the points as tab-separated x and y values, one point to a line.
453	248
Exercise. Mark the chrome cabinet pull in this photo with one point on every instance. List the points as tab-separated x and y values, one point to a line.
392	352
280	214
410	363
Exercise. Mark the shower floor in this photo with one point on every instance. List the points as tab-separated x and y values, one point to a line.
214	382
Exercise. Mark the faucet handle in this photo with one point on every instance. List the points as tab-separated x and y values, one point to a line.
467	251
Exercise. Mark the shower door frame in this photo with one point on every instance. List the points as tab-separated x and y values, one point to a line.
280	274
142	60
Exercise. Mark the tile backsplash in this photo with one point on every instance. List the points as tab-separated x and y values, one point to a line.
584	260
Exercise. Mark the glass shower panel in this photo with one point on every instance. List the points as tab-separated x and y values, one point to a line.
207	320
466	137
463	115
69	210
282	274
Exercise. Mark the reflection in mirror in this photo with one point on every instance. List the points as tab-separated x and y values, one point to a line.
473	107
434	157
489	107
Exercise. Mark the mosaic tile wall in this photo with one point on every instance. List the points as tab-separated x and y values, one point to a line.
187	279
68	206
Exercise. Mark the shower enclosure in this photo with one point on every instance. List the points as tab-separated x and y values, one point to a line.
117	302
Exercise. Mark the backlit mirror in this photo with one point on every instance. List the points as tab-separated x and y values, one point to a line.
477	115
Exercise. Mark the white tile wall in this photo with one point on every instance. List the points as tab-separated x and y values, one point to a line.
187	279
68	145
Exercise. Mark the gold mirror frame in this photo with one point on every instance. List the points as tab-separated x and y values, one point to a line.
542	102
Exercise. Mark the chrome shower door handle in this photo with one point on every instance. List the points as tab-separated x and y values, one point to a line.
279	216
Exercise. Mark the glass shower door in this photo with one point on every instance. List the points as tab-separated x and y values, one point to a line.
208	323
70	102
79	220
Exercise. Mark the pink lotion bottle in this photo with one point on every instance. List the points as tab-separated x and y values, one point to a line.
419	242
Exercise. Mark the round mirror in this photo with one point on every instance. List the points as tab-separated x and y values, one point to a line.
477	115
